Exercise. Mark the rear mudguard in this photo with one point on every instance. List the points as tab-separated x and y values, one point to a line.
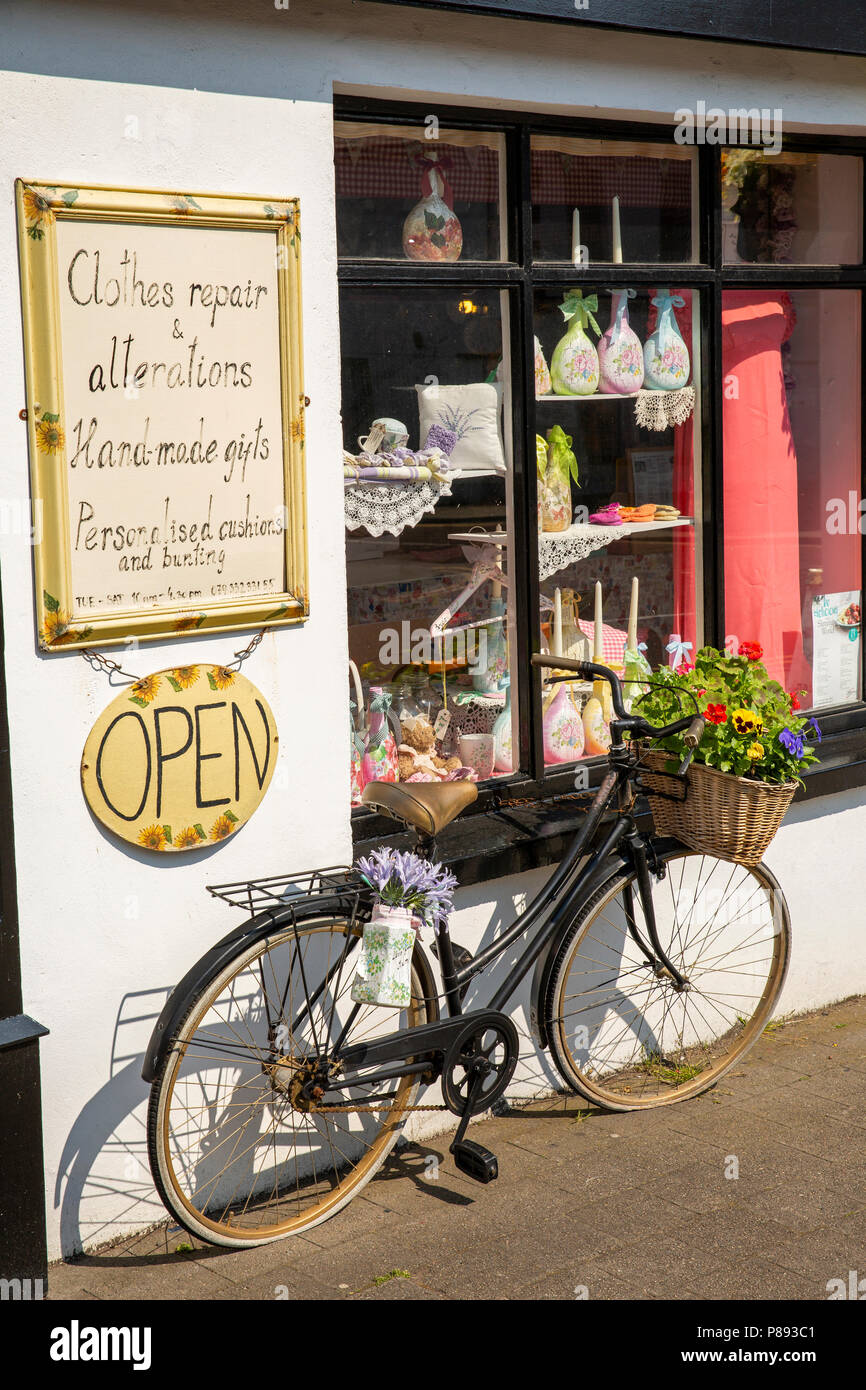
614	864
254	929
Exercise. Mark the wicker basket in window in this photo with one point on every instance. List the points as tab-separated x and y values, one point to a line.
734	818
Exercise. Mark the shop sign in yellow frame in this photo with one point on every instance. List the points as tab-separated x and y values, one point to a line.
165	410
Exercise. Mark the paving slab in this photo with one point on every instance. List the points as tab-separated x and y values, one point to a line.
624	1206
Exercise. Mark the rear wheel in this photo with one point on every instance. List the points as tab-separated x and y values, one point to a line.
623	1036
239	1154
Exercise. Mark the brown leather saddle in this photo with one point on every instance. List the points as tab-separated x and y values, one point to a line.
428	806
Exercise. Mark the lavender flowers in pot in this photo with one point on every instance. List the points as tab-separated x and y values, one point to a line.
407	888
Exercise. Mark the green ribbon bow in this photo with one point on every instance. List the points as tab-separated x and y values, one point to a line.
575	305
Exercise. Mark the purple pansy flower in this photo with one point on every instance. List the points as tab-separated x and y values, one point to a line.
793	742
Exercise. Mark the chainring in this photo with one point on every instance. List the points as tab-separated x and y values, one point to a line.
492	1040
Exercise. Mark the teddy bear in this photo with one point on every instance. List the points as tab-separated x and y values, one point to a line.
415	754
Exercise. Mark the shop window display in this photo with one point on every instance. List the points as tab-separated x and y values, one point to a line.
620	202
430	614
530	439
625	511
792	369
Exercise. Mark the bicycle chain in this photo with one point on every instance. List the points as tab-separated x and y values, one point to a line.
367	1109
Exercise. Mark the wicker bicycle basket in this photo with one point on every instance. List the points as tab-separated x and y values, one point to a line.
734	818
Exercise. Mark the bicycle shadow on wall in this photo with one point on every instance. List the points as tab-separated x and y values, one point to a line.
103	1186
230	1106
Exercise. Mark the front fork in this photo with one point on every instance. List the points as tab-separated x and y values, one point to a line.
663	968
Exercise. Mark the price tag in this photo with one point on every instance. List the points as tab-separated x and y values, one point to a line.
443	719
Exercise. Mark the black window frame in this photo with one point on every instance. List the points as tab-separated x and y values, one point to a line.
842	754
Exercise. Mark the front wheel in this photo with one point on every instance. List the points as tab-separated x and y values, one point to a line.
239	1151
621	1033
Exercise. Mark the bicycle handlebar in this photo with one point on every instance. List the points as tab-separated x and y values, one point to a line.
693	725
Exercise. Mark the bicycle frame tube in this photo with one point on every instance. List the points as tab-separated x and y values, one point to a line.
561	883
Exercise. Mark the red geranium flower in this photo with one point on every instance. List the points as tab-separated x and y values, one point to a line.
717	714
795	702
753	651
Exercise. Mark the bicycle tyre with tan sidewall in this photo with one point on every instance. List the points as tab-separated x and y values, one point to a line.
238	1155
621	1034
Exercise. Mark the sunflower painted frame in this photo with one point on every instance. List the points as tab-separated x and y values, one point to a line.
40	207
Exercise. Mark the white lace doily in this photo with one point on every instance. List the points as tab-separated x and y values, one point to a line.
661	410
559	549
474	713
377	507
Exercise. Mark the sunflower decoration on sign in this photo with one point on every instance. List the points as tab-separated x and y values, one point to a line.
38	205
182	677
56	628
223	826
50	437
220	677
144	691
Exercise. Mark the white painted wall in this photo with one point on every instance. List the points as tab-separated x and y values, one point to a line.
235	97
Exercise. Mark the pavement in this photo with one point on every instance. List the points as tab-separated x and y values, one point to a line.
755	1190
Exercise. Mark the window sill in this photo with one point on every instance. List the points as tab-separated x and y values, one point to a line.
489	842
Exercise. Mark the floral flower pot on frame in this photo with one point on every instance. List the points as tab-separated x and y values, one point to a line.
407	887
383	973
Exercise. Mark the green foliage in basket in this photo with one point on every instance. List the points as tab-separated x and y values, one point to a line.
752	729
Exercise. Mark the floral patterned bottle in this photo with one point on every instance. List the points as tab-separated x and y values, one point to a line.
492	671
562	725
379	763
620	354
574	364
666	357
432	230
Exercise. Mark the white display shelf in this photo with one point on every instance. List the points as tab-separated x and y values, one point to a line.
628	528
596	396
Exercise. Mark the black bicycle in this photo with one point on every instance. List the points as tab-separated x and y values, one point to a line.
275	1098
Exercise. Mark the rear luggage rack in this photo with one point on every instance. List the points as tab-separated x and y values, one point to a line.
260	894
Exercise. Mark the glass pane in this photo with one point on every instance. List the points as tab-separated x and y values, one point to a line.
657	207
792	468
402	195
791	209
631	514
414	548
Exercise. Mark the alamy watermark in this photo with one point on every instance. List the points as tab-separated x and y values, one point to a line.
408	646
736	126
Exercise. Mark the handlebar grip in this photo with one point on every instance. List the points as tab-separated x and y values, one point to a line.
695	732
562	663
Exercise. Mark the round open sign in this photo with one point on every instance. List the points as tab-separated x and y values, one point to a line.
180	759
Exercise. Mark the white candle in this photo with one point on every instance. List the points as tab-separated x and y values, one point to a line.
631	640
617	234
575	237
597	649
557	622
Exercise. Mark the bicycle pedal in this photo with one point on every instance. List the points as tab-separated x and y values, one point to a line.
475	1161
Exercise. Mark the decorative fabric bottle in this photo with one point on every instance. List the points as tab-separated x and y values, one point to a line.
379	763
574	364
666	357
620	356
556	488
493	656
542	371
502	753
432	230
562	726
